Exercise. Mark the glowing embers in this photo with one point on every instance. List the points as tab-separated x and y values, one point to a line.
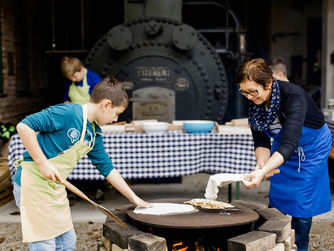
179	246
199	245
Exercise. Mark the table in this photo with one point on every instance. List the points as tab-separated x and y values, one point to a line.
172	154
330	125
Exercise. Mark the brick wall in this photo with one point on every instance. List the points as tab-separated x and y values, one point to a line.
22	59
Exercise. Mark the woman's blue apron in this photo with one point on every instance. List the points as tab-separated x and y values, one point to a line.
302	188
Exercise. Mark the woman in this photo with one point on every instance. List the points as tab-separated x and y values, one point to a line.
300	147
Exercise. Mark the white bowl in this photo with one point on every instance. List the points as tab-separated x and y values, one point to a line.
155	127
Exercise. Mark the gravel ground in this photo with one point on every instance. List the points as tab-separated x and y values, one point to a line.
89	233
322	236
89	236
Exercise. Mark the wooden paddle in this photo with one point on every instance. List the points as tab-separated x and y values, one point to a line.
75	190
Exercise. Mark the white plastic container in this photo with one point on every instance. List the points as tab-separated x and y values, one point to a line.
155	127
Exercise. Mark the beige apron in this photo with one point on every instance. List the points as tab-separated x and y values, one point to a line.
45	211
79	94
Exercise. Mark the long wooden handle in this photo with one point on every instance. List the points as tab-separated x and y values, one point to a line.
75	190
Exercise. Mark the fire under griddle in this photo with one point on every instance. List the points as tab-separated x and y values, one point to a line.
208	228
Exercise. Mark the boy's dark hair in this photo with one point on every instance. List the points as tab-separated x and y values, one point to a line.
112	89
255	70
69	66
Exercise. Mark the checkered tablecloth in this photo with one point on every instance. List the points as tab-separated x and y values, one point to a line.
330	125
173	154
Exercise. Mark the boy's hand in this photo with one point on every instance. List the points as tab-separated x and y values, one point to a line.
50	172
141	203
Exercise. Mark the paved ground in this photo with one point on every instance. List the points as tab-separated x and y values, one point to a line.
88	220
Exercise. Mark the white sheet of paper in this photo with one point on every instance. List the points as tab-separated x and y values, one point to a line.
165	209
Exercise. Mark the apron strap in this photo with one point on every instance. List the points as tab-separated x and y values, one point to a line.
94	133
301	156
84	115
18	162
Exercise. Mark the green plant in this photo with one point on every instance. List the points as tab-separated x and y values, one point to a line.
6	131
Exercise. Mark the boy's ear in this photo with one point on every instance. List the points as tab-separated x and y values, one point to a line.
106	103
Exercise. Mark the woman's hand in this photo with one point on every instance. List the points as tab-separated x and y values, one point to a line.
254	178
272	172
140	203
50	172
259	165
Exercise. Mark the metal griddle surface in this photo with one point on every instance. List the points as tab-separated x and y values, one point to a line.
206	218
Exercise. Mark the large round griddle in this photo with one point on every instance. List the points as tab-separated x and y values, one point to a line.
207	218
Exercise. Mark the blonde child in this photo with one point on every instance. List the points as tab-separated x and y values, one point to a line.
79	82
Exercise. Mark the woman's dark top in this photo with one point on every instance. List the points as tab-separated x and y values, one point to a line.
297	109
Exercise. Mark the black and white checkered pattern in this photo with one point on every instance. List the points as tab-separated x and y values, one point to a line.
330	125
172	154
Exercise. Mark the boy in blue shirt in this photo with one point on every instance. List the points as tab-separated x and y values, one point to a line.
79	82
55	139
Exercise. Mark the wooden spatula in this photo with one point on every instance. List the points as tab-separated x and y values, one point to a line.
75	190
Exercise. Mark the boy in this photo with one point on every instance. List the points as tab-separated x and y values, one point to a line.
66	132
79	82
279	69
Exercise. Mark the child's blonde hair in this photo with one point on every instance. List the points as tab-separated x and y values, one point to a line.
70	65
112	89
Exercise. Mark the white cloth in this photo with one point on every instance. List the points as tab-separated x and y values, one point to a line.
219	180
165	209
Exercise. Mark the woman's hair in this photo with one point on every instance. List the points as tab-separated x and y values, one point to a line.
112	89
255	70
70	65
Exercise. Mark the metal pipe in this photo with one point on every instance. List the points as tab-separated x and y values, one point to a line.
236	20
53	46
82	25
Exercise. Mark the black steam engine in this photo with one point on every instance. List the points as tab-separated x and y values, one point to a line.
170	70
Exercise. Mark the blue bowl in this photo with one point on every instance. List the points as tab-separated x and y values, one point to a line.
198	126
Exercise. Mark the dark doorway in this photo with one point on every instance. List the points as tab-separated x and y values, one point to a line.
314	37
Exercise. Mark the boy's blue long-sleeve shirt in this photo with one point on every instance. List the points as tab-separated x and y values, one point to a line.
92	79
59	129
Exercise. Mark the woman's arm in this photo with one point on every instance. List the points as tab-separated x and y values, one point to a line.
30	142
262	155
115	179
257	176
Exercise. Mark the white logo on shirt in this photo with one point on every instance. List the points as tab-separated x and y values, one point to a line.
73	134
90	137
